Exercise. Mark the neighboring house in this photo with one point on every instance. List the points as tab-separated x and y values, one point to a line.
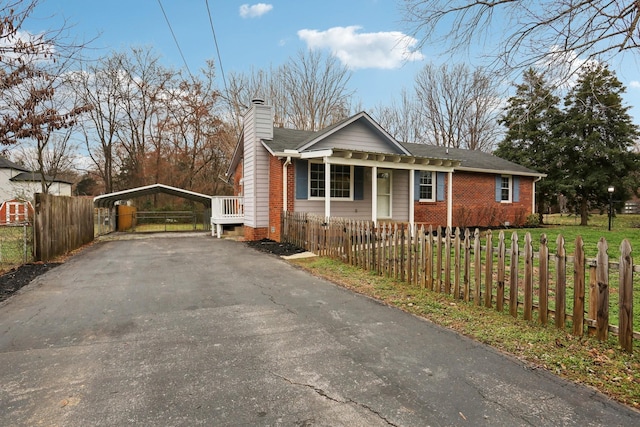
17	188
370	176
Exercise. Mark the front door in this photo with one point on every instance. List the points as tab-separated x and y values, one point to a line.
384	194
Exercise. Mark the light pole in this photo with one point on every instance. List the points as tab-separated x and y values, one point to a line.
611	189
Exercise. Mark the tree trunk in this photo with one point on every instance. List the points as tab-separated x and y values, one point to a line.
584	212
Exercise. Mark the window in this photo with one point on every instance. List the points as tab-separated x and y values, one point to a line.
427	184
340	181
505	189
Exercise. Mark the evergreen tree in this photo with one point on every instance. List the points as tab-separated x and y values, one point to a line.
530	118
596	140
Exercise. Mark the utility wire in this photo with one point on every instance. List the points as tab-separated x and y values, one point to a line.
175	40
215	40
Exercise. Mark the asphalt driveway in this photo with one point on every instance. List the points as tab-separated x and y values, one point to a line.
193	330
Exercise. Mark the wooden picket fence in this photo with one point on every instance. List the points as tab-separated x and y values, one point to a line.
494	274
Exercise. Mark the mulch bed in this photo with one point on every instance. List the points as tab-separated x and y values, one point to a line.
16	278
276	248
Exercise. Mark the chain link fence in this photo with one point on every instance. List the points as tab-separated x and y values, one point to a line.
16	245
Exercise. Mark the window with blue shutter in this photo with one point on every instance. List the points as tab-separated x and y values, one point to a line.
302	185
440	186
358	183
504	190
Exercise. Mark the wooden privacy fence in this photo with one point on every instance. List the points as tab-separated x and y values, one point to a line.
62	224
498	273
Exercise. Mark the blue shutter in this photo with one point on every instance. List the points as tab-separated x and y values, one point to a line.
516	188
302	177
358	183
416	185
498	188
440	186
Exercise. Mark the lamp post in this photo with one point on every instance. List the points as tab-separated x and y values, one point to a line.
611	189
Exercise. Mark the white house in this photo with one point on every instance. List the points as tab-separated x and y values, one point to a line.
17	188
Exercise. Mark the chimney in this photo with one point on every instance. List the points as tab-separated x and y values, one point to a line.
260	116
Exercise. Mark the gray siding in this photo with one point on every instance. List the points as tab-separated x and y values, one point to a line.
257	125
361	209
356	209
400	195
357	136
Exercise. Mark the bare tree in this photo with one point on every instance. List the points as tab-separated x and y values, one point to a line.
533	32
316	85
98	85
308	92
458	108
37	107
401	118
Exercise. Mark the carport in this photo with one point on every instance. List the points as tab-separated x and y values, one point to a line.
109	201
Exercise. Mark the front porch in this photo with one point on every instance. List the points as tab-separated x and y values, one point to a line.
226	210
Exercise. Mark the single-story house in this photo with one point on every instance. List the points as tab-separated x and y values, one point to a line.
17	188
356	169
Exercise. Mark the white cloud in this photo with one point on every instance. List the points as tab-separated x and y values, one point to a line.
385	50
635	84
254	11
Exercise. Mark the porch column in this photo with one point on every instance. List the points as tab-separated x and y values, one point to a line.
449	199
327	188
412	196
374	194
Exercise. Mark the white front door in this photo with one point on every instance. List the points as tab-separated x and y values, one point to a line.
384	194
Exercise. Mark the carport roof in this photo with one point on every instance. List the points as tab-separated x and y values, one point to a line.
108	200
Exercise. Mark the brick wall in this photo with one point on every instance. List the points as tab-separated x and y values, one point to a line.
475	205
237	179
276	202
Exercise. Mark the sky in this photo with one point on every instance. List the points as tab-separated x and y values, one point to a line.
367	36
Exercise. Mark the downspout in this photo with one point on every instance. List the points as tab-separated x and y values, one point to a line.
285	183
533	199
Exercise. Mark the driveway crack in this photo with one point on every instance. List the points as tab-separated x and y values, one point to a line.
324	394
273	300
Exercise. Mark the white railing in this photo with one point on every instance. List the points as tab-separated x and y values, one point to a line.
226	210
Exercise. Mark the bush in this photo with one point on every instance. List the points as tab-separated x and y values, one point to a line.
533	220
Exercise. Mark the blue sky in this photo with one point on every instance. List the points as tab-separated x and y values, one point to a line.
366	35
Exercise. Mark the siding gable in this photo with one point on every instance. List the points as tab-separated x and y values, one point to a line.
357	136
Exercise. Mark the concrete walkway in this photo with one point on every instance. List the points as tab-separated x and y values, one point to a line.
193	330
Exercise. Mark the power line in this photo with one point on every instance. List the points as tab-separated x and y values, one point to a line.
215	40
175	40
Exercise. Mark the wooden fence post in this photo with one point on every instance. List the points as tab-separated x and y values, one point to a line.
447	261
457	266
626	297
513	276
602	300
543	299
488	271
528	277
477	267
561	282
439	259
501	272
578	288
428	271
467	264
